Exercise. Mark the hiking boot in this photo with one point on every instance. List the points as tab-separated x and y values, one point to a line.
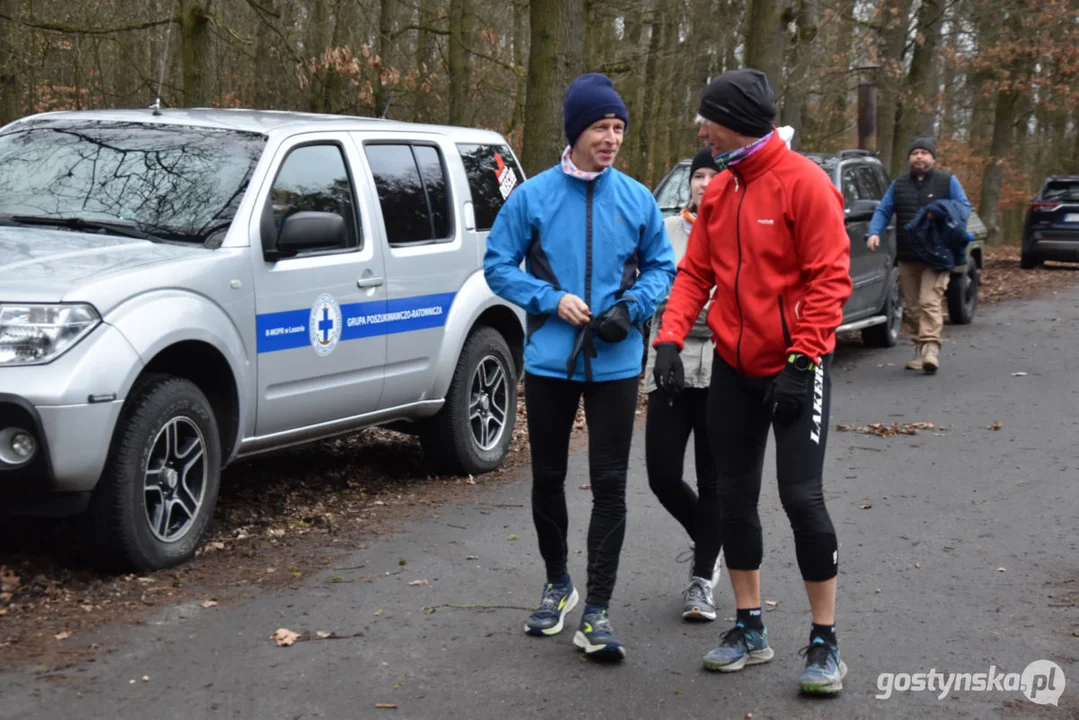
739	647
557	600
824	670
916	363
596	638
931	358
700	605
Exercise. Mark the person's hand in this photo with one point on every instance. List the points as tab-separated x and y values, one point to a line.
789	394
873	242
669	373
573	310
613	324
928	214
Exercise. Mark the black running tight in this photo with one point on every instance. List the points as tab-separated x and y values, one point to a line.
610	409
738	425
671	420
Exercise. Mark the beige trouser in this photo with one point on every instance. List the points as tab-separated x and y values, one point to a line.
923	289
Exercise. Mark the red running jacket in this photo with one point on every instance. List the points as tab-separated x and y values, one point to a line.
770	237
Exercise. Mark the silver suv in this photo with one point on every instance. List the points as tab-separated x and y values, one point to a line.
183	288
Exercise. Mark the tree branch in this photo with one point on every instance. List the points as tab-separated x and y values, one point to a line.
77	30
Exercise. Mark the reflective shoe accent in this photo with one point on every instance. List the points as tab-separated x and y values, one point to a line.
739	647
824	670
556	602
699	605
596	638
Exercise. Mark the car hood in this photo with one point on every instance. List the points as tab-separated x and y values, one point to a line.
42	265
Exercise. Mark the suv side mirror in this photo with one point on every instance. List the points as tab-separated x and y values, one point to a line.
862	209
307	230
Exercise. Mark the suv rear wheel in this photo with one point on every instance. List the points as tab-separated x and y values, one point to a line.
152	506
472	432
963	295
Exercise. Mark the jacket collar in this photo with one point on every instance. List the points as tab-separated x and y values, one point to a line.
763	160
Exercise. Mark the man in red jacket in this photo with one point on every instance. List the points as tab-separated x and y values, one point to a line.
770	238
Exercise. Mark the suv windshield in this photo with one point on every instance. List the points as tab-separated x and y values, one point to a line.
173	182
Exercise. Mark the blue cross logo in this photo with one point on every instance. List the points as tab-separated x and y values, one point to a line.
325	325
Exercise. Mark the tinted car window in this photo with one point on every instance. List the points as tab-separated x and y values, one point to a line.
400	193
673	192
314	177
492	175
1063	191
434	180
870	182
850	185
177	182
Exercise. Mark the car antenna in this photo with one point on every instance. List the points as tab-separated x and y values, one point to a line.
386	110
161	79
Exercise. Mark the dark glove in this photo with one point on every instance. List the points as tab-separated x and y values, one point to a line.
790	392
613	324
669	373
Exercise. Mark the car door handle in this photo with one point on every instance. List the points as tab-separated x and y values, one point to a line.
370	282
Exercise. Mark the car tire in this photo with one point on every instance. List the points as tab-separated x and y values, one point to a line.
1029	261
887	334
471	434
963	295
152	507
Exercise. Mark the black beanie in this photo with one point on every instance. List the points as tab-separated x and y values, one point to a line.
923	142
591	97
702	159
741	100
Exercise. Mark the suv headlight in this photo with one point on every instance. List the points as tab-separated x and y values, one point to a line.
31	334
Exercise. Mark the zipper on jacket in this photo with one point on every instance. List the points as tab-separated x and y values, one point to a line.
738	271
783	321
588	270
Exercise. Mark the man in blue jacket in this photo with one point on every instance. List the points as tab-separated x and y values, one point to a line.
597	262
923	285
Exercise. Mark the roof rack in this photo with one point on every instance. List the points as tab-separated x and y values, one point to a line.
853	153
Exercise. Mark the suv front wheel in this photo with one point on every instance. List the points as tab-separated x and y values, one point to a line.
472	432
153	504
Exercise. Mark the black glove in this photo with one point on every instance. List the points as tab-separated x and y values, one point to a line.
669	373
789	394
613	324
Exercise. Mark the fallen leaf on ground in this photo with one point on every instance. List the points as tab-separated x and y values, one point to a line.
386	706
323	634
917	565
771	603
209	604
1019	374
210	547
285	637
996	426
63	636
865	506
418	582
378	612
473	557
9	581
146	678
514	537
882	430
1001	570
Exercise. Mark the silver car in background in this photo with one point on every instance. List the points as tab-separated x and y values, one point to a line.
183	288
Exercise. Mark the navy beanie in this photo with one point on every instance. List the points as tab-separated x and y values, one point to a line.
591	97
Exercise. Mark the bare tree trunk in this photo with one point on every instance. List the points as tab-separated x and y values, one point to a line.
459	61
421	111
912	115
195	38
264	44
639	166
1003	122
385	47
11	97
894	17
797	87
520	60
543	99
766	39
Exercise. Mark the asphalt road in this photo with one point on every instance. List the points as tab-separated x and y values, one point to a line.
920	588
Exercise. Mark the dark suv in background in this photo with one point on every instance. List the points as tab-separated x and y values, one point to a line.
874	306
1051	230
